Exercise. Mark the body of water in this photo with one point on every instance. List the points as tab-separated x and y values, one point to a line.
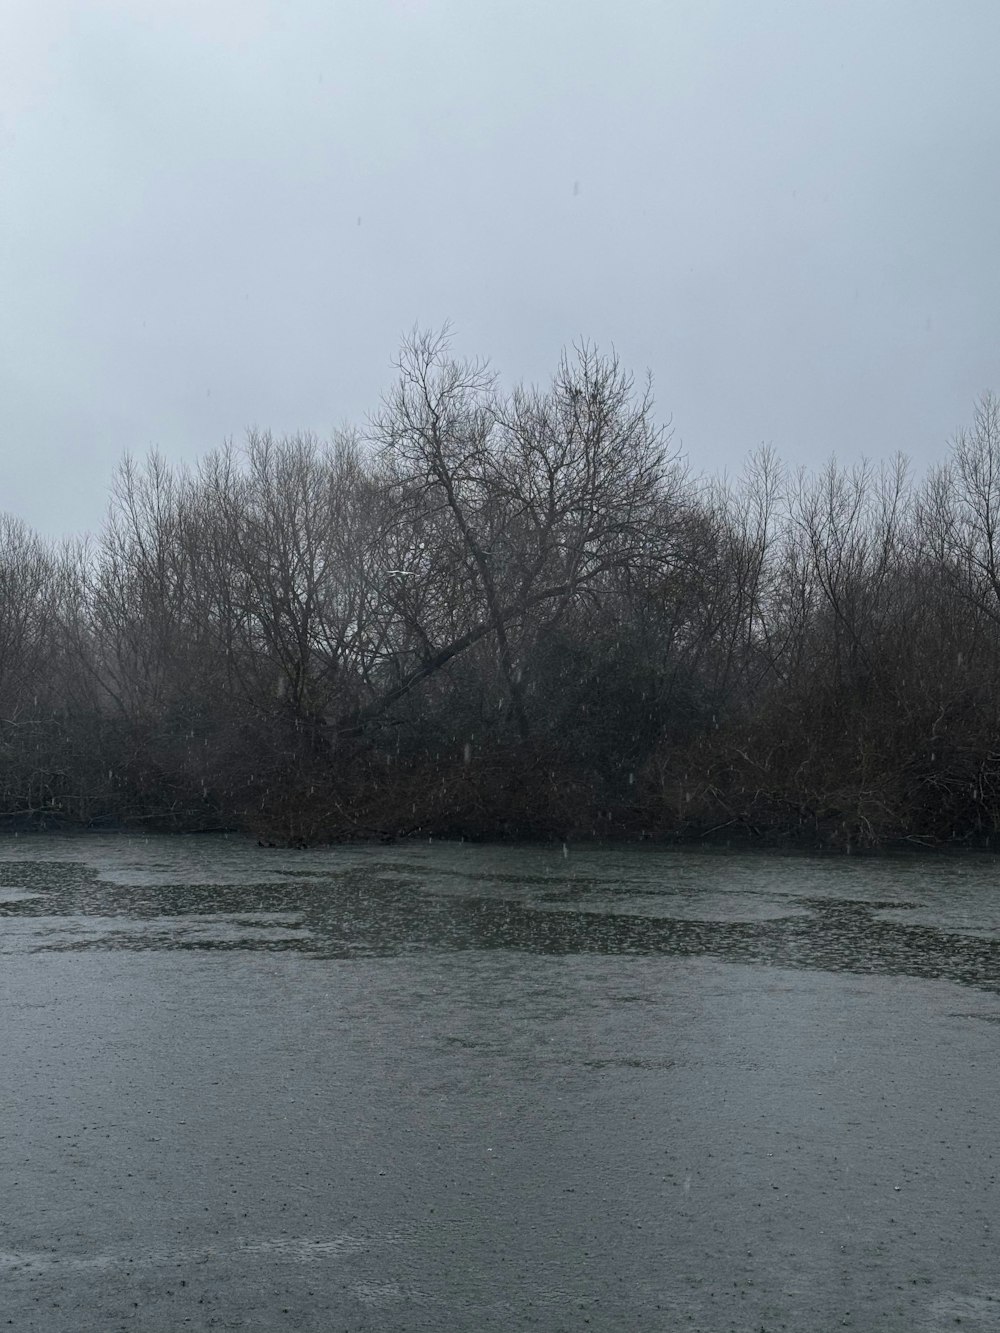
449	1087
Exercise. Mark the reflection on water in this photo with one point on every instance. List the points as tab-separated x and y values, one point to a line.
928	918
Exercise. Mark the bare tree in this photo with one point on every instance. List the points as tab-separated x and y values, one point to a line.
27	611
529	500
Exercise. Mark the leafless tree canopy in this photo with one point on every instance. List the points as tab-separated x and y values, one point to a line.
514	611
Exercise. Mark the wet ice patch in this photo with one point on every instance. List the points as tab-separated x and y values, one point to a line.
456	886
61	932
979	1312
309	1250
979	919
179	876
282	1249
55	932
684	907
380	1293
234	931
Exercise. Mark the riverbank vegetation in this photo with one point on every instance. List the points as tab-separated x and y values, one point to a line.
514	613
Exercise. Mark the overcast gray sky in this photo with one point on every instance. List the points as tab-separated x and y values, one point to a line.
224	213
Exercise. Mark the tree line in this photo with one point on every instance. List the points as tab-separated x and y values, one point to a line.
514	613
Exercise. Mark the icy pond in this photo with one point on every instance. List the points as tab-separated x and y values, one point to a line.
448	1087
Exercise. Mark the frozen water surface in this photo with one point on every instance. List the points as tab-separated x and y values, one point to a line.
439	1086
